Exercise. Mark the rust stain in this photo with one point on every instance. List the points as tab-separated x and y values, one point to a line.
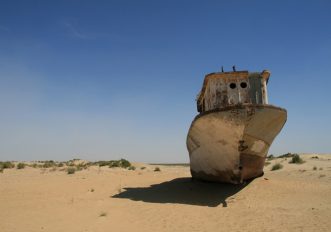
252	165
242	146
236	127
221	176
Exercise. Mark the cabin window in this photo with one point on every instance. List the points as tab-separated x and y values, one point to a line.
233	85
243	85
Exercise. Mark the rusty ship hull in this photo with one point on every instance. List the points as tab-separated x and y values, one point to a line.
231	144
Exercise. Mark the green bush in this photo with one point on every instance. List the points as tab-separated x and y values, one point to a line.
61	164
296	159
124	163
157	169
82	166
114	164
7	164
34	165
276	167
287	155
49	164
132	168
71	170
20	165
103	163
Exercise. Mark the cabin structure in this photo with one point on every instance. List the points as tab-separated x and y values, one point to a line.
223	89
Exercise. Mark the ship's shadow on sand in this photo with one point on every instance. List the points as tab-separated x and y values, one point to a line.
183	191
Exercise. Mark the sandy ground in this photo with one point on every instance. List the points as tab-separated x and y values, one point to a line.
295	198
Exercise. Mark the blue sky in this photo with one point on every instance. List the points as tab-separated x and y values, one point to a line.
110	79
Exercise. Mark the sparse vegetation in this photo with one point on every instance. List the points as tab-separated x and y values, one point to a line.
70	163
322	175
296	159
103	214
270	157
102	163
276	167
157	169
71	170
92	190
114	164
76	166
34	165
49	164
314	157
172	164
287	155
267	163
142	168
20	166
122	163
314	168
81	166
60	164
6	165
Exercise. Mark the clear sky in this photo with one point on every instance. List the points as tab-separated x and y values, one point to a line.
109	79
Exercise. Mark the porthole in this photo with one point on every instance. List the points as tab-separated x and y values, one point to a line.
243	85
233	85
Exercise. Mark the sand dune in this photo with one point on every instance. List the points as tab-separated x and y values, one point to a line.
294	198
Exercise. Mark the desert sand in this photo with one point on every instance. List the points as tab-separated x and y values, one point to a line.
294	198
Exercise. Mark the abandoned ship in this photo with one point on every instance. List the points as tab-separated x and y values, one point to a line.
229	139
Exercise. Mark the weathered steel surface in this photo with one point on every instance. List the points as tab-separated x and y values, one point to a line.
230	144
229	140
225	89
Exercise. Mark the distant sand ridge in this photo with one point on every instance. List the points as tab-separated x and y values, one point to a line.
141	197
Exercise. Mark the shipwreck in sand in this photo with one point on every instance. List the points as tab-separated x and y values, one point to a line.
229	139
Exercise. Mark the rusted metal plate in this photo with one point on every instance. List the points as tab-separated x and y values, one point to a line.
230	138
230	144
230	88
